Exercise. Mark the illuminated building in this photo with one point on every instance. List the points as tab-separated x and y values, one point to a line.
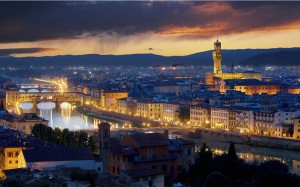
9	155
275	123
253	86
232	120
244	120
210	78
296	128
220	118
23	124
171	112
127	106
200	115
294	90
150	109
12	97
109	99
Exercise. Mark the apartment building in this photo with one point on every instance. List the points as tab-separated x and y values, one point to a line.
200	115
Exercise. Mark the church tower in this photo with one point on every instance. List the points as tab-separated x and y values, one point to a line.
217	57
104	145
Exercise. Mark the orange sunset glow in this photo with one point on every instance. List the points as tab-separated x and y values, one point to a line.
167	28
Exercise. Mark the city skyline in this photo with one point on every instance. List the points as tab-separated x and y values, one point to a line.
163	28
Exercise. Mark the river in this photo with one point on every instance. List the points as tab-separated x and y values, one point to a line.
63	116
66	116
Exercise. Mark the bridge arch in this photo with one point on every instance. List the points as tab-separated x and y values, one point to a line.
65	105
46	105
22	91
26	105
33	90
46	90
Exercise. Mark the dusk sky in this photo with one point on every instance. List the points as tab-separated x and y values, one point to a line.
164	28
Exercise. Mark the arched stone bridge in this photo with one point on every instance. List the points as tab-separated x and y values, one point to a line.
47	96
37	90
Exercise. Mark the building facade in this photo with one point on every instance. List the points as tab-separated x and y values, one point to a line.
200	115
244	121
171	112
109	99
220	118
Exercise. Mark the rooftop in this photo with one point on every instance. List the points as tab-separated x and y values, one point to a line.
57	154
145	140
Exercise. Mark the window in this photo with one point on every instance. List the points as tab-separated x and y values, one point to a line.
10	154
10	162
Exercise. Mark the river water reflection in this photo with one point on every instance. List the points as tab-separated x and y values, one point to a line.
259	154
63	116
66	116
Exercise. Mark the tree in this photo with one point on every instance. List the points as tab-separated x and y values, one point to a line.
205	153
81	138
232	152
64	137
37	130
92	144
216	179
231	162
57	135
184	113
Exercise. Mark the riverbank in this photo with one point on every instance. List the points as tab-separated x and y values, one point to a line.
117	117
96	115
251	140
202	134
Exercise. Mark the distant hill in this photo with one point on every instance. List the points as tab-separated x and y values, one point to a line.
278	58
284	56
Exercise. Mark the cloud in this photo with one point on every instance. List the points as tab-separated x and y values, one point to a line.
42	21
10	52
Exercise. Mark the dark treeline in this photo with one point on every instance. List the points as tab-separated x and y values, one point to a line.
229	170
64	137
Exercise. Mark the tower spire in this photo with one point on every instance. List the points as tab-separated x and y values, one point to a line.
232	68
217	57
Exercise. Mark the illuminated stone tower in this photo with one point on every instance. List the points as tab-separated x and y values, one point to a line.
217	57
